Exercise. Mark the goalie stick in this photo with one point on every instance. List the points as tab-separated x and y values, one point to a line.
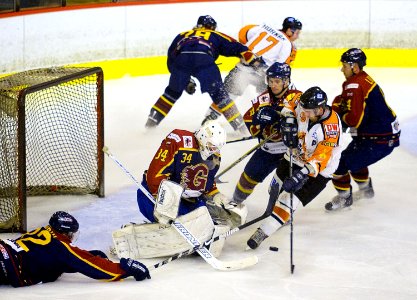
201	250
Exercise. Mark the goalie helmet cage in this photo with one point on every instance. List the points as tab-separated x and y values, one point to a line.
52	133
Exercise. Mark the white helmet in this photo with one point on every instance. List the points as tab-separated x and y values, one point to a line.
211	137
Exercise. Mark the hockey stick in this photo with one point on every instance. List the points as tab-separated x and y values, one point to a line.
249	152
203	252
268	211
246	138
292	266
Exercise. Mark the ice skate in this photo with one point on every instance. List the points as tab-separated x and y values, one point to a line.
366	192
340	201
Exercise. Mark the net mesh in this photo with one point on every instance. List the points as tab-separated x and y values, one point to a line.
61	124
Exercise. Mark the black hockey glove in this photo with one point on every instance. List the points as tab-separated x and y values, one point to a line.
191	87
295	182
289	131
134	268
265	116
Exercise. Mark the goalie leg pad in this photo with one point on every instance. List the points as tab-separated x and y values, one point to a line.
157	240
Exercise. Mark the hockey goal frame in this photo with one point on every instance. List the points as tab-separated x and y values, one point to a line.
22	189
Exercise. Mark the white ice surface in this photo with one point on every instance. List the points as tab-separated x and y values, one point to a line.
366	252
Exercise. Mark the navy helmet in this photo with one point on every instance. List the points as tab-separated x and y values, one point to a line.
207	22
291	23
63	222
354	55
313	98
278	70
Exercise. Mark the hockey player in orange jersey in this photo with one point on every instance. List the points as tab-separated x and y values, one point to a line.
311	130
267	42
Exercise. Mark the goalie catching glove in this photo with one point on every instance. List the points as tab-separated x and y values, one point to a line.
134	268
234	213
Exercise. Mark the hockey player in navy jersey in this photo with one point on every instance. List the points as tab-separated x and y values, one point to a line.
194	53
180	179
373	126
44	254
263	121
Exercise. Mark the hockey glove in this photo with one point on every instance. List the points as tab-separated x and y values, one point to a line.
289	130
295	182
265	116
134	268
191	87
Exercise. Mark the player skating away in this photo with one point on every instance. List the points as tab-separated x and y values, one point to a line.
194	53
373	126
263	120
190	159
265	41
312	131
44	254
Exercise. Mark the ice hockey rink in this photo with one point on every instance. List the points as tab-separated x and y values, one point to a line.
368	251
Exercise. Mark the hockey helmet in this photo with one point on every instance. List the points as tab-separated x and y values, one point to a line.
211	137
278	70
207	22
313	98
291	23
354	55
63	222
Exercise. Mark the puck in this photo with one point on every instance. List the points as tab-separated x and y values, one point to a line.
273	248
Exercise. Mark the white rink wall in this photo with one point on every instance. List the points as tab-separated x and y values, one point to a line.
107	33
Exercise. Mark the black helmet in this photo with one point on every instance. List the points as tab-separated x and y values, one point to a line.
291	23
354	55
207	22
278	70
312	98
63	222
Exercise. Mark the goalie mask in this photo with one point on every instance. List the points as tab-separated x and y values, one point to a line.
211	137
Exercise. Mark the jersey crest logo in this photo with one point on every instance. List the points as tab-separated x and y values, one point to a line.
332	130
188	141
195	177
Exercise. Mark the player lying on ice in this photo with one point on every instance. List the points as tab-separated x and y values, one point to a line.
44	254
181	183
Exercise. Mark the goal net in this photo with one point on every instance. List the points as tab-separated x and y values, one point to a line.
51	136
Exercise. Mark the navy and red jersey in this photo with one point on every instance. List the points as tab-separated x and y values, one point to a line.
178	159
43	255
362	105
201	40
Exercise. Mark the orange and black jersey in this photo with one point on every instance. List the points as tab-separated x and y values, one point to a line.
362	105
43	255
178	159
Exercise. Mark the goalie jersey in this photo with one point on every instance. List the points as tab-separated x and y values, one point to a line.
178	159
